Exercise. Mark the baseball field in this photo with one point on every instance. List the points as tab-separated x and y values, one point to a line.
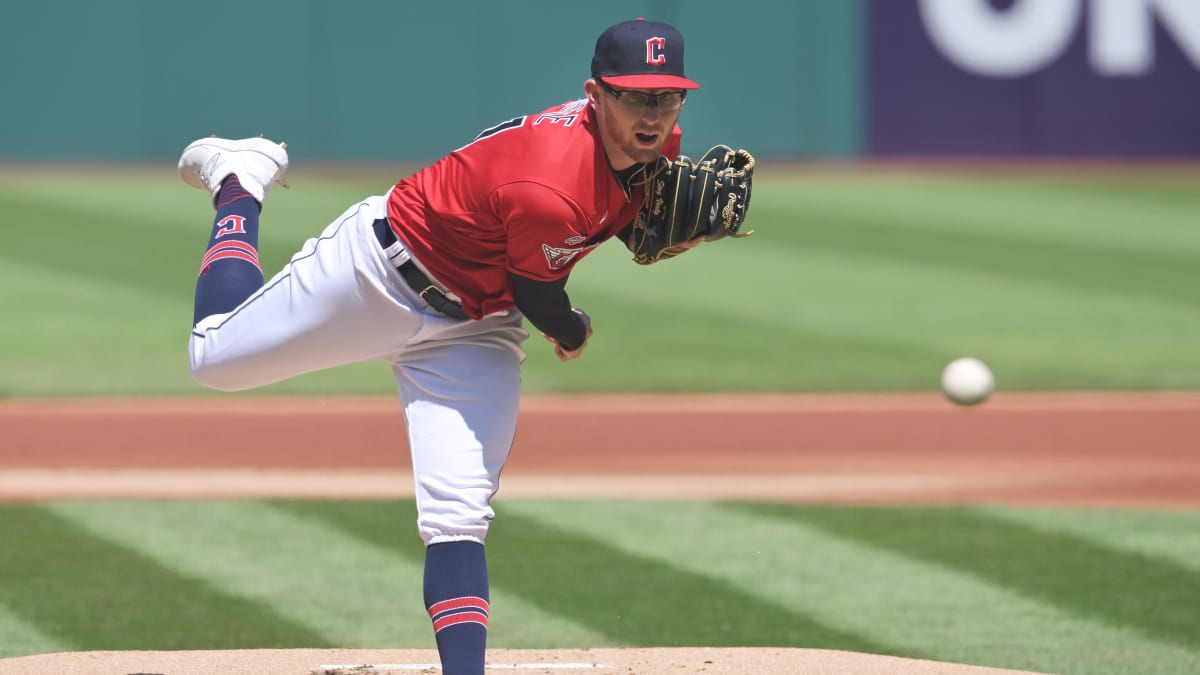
750	471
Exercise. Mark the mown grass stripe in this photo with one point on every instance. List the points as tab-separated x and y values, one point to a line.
109	245
920	609
514	622
702	542
628	599
1161	275
349	592
640	601
95	594
1172	536
1146	215
18	637
1083	577
108	311
109	240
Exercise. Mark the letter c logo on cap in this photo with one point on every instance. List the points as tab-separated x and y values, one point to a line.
655	47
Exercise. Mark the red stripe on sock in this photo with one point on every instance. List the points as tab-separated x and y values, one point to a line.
233	243
229	255
460	617
231	249
244	195
232	186
459	603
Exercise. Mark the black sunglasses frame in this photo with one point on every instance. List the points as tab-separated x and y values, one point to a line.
651	99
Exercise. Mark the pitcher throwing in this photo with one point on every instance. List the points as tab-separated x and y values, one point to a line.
436	276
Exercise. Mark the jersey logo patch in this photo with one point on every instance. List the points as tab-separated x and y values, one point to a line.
576	240
557	258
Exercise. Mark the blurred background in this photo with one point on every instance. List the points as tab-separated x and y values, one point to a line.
379	79
1010	179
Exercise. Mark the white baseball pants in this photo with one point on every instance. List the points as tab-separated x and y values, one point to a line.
340	300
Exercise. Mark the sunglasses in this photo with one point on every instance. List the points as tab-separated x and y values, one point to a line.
629	99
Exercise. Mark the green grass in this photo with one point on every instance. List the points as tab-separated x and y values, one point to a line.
1068	591
854	280
84	589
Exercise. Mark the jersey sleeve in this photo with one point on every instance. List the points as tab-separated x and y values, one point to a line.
546	230
546	305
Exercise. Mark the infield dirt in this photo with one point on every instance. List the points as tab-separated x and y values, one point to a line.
1110	449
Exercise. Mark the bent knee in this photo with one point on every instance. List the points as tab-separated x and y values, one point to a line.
215	373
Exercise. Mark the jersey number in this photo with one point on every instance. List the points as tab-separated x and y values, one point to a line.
503	126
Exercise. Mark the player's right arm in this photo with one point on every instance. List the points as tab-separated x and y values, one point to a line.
545	238
546	305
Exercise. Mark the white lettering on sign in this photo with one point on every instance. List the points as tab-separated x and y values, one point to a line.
1000	43
1031	34
1121	33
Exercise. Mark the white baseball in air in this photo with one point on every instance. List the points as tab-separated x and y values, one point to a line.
967	381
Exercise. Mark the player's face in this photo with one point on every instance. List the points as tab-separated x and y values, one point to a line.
634	123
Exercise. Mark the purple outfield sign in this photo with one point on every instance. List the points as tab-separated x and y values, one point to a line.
1115	78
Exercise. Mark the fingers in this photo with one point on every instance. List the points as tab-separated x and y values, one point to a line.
565	356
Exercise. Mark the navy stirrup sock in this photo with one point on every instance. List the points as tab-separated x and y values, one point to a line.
230	271
456	596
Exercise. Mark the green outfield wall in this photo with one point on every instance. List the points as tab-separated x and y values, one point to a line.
386	80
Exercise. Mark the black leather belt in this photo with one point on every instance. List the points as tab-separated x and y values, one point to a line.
416	279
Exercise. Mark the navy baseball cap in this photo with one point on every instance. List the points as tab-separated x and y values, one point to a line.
641	55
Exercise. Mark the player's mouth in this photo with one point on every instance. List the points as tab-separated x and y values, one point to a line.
645	138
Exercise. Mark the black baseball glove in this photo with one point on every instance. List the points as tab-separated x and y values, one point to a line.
685	200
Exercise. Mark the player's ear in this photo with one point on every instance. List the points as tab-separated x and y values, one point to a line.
592	91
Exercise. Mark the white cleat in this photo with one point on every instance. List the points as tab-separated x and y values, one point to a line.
257	162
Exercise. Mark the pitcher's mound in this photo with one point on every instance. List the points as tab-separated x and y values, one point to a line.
672	661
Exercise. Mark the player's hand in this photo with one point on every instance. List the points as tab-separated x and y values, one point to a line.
564	355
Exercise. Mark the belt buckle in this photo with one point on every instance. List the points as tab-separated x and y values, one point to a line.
439	301
431	289
436	299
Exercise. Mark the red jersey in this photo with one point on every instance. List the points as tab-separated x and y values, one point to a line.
531	196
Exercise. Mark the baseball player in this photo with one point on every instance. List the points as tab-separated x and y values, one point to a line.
435	277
